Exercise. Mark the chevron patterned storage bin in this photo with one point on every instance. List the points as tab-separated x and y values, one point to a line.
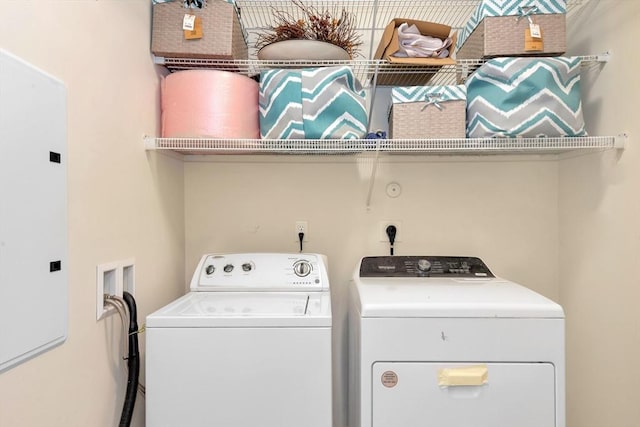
428	112
497	28
314	103
525	97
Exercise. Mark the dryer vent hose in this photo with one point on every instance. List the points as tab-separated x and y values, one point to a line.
133	362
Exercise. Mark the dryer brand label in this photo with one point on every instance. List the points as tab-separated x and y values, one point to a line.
389	379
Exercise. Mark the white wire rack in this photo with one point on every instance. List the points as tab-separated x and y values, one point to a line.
365	70
371	16
478	146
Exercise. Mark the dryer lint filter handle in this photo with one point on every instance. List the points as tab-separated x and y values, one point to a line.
261	272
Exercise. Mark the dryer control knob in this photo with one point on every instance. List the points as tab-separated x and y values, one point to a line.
228	268
424	265
209	270
302	268
247	266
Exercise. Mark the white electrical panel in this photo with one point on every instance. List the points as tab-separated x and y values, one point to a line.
33	211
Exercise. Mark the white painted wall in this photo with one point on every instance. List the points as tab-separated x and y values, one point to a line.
600	231
123	201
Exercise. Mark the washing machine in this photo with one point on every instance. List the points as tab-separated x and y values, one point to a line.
249	345
440	341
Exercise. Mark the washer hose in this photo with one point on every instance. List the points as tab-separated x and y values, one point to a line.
133	362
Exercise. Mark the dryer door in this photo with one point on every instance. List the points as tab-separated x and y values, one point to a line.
412	394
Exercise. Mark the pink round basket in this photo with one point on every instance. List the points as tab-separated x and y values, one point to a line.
209	104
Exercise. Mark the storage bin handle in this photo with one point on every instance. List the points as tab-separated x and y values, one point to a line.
432	99
526	12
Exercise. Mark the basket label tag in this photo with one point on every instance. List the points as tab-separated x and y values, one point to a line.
532	43
196	32
188	22
535	31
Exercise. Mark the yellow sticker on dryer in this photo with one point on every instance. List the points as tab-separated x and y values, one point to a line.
466	375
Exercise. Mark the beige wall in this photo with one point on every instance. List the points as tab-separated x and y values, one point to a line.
123	201
600	230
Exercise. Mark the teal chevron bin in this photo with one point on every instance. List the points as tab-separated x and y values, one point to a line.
525	97
313	103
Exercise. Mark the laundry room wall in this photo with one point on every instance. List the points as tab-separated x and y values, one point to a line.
600	228
123	202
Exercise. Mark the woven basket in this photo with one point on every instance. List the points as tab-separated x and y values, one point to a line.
504	36
222	33
412	121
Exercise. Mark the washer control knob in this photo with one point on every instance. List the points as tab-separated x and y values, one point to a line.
247	267
209	270
228	268
302	268
424	265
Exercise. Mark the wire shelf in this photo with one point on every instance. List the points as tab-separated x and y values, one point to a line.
478	146
365	70
371	16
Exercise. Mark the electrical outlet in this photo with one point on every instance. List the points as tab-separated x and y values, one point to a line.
383	230
302	227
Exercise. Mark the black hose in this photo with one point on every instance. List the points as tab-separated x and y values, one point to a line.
133	362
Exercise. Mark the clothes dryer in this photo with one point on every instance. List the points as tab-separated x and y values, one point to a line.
440	341
249	345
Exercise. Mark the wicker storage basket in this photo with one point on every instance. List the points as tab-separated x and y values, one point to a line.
427	120
222	38
504	36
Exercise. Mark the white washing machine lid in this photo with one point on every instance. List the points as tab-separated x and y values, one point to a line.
245	309
451	298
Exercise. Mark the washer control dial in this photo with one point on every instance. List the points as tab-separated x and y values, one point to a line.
210	269
423	265
246	267
302	268
228	268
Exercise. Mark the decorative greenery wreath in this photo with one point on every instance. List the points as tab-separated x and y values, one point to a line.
314	25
